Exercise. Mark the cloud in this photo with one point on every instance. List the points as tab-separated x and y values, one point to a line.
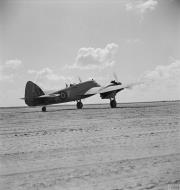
164	73
47	78
134	41
141	6
13	63
9	70
93	58
45	73
161	83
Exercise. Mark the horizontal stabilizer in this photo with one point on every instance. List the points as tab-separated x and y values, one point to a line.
49	96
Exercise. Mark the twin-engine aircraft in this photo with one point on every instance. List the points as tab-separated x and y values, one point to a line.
35	96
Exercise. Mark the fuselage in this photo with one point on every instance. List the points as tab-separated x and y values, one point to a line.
74	92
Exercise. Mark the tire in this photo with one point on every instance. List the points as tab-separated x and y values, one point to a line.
43	109
79	105
113	104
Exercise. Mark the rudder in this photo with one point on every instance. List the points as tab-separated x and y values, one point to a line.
32	91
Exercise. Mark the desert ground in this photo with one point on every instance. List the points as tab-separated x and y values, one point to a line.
135	146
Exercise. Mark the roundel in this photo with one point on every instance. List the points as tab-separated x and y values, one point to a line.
63	95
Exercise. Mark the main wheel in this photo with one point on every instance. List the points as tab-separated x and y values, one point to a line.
79	105
43	109
113	103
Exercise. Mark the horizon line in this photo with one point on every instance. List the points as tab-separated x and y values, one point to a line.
65	104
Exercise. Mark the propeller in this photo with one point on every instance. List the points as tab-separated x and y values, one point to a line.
79	79
115	77
116	81
68	82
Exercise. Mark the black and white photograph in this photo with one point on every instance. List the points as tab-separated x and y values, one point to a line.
89	94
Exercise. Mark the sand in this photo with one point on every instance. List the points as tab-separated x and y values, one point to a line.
135	146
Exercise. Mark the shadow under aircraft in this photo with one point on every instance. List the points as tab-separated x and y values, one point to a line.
35	96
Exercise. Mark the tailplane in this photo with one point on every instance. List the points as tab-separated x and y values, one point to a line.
32	91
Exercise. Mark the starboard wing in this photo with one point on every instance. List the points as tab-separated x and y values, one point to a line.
113	88
99	90
94	90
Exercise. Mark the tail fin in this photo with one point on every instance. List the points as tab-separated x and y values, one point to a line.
32	91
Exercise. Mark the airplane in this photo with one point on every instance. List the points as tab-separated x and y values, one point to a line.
35	96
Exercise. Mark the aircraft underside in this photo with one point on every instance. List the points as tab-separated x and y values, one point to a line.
79	104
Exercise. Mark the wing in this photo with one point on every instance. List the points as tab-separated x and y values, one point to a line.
94	90
112	88
109	88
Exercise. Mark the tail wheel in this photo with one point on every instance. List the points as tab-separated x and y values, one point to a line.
113	103
43	109
79	105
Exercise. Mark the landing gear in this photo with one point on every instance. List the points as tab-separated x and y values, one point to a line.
43	109
79	105
113	103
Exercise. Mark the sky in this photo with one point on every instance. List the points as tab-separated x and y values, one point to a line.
56	42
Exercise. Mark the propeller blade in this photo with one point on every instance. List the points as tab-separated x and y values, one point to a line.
115	77
79	79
